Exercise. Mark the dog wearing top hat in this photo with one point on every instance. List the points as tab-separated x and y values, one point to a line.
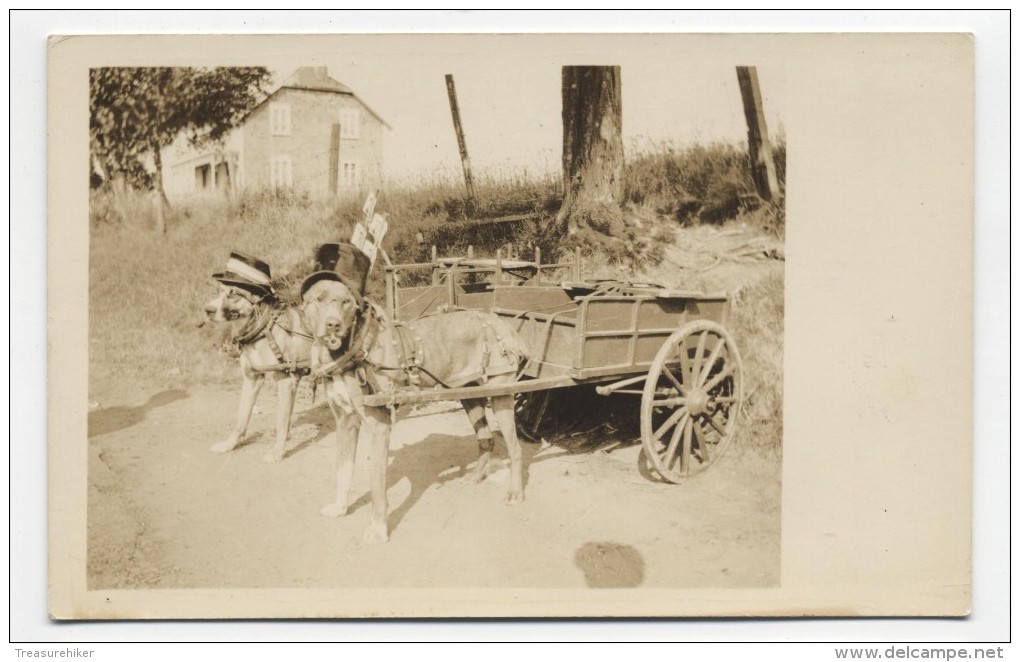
358	351
269	339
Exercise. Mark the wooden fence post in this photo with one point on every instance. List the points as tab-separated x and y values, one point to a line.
465	161
763	167
334	159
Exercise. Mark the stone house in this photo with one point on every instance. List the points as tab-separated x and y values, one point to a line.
312	134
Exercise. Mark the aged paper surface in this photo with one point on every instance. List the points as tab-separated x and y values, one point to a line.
876	461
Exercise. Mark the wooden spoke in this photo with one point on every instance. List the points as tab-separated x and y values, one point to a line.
685	362
706	369
715	424
702	444
670	422
727	371
669	374
543	404
670	455
685	455
699	354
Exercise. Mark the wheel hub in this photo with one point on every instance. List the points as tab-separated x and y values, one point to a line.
697	402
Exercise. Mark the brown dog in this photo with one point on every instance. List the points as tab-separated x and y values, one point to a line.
359	351
271	341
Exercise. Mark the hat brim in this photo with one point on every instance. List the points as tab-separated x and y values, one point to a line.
329	275
247	286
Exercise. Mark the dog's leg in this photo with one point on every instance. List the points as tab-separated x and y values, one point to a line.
378	420
347	427
286	391
250	388
503	408
475	409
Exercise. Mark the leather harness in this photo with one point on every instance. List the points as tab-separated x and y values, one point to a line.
409	349
259	326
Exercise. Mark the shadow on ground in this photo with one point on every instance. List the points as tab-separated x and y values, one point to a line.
439	459
104	421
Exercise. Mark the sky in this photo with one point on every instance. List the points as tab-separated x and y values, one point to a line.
508	87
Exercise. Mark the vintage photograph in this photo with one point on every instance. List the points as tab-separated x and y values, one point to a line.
388	318
509	325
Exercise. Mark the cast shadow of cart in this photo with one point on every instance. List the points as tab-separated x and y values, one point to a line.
439	459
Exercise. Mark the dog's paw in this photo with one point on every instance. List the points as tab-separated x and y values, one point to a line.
514	497
376	533
272	456
223	446
333	510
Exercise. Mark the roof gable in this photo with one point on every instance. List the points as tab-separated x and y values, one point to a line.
316	79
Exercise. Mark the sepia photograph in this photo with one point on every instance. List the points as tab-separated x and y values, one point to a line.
481	325
379	300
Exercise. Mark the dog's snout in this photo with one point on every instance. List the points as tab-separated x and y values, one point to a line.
332	324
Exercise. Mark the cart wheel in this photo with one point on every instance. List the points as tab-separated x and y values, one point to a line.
691	400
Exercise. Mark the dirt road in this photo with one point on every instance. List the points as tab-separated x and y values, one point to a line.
166	512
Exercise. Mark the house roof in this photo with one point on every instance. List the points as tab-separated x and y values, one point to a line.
317	79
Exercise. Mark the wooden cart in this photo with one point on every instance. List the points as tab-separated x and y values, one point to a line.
669	347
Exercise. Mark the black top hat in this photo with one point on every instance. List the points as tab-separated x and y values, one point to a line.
246	272
343	263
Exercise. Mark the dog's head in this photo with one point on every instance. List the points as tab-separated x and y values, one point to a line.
330	310
230	303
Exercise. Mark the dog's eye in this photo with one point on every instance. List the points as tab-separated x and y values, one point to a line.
348	303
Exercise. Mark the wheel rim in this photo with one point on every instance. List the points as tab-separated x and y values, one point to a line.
691	401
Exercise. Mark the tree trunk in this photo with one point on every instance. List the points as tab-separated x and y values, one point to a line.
119	186
160	202
114	179
592	150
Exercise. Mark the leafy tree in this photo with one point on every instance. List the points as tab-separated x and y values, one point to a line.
137	112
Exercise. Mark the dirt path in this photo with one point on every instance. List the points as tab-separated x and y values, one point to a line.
166	512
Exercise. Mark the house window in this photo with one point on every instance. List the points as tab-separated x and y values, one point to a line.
349	176
280	172
202	174
350	123
279	119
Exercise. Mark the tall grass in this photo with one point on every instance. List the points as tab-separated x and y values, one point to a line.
757	328
703	183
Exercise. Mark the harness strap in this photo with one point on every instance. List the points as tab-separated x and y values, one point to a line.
409	350
261	326
273	345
